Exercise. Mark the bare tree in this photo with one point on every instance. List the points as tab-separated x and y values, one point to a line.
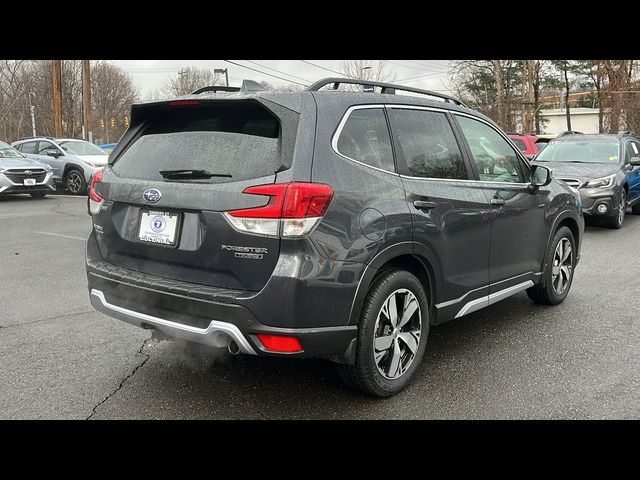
112	93
374	70
190	79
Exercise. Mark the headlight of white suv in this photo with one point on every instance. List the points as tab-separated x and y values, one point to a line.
601	182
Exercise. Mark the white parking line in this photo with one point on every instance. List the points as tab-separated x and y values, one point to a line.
60	235
68	196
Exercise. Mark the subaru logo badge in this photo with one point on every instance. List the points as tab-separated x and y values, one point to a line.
152	195
28	172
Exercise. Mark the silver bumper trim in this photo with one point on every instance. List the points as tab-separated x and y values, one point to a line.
217	334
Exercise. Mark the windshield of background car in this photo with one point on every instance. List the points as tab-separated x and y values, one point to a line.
580	151
82	148
7	151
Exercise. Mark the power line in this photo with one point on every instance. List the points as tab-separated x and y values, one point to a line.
323	68
423	69
428	75
279	71
265	73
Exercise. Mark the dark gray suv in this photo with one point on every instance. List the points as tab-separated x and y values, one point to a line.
322	223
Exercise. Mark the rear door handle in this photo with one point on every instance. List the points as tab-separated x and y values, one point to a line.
424	205
497	201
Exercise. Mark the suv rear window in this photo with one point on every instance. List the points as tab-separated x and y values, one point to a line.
241	139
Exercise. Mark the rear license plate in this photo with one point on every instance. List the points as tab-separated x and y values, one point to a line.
158	227
29	182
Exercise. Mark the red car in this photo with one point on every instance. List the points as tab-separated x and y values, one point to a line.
528	144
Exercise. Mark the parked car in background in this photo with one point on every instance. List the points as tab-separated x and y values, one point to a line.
331	224
530	145
73	161
604	168
19	174
108	147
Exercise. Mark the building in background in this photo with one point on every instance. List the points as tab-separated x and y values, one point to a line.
583	120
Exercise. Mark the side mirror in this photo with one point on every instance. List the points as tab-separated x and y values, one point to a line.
540	176
53	152
635	162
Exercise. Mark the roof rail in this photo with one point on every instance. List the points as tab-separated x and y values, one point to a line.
625	132
37	136
388	88
216	88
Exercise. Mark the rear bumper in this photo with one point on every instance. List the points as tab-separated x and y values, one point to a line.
216	334
207	315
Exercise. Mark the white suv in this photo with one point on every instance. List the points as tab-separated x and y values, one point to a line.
73	161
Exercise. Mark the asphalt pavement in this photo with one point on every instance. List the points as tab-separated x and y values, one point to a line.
514	360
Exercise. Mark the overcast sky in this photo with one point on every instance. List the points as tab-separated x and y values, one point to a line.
150	75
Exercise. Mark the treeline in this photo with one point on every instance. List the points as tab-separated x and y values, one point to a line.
513	92
112	93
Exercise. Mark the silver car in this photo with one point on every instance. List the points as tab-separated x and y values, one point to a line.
19	174
73	161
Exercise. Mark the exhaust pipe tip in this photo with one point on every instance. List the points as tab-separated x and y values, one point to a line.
233	347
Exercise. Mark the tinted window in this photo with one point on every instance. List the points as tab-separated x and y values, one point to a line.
365	138
520	144
44	146
495	159
427	144
631	151
238	139
29	147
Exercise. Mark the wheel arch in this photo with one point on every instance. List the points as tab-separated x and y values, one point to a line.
405	256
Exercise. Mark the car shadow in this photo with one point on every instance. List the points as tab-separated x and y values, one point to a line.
219	383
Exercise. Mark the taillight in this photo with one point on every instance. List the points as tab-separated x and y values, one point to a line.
293	210
280	343
95	200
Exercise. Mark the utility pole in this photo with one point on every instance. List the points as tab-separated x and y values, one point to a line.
180	74
222	70
56	72
33	115
86	102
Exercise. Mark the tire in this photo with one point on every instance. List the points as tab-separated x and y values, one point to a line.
549	291
616	221
38	194
379	378
74	182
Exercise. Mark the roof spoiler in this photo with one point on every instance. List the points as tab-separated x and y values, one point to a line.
247	87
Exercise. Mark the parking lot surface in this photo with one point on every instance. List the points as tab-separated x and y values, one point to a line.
62	360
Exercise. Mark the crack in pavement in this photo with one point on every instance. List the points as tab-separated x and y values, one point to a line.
94	410
58	205
55	317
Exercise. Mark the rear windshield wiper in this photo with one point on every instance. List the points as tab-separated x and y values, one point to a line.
190	173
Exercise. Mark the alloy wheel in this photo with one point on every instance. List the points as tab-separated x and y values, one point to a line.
74	182
562	266
622	208
397	333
